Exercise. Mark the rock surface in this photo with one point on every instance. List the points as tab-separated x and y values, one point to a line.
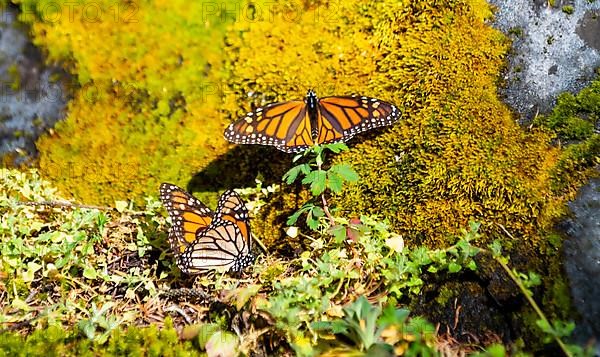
582	260
554	51
30	101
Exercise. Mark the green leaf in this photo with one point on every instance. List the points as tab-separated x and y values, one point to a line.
496	248
345	171
29	274
563	329
495	350
320	158
317	211
88	328
533	279
420	256
338	326
317	181
453	267
298	156
545	327
292	174
90	273
334	182
472	265
336	147
393	316
202	332
222	344
381	350
419	326
474	226
316	150
244	294
294	217
339	233
311	222
19	304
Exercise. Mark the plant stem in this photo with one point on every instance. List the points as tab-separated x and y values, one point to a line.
325	205
527	296
326	210
533	304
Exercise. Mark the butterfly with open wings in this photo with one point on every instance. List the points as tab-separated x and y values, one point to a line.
296	125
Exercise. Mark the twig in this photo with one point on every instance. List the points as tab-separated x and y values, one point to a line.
260	244
339	287
65	204
533	304
326	210
505	231
177	309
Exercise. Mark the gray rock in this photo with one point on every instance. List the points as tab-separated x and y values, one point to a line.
553	51
37	102
582	259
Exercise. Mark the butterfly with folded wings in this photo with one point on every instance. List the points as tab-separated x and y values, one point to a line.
202	239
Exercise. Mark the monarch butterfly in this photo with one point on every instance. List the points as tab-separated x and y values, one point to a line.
188	215
296	125
222	240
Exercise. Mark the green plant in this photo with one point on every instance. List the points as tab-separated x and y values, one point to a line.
319	181
568	9
382	332
553	330
374	262
495	350
60	260
97	320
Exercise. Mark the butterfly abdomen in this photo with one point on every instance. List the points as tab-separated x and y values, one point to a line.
312	107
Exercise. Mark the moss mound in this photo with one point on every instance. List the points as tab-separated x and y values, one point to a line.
459	155
145	109
456	155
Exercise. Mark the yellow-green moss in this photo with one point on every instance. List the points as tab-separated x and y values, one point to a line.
133	341
147	109
326	47
148	113
572	121
456	155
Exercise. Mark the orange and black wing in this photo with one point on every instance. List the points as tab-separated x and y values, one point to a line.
232	209
284	125
188	215
340	118
222	246
225	244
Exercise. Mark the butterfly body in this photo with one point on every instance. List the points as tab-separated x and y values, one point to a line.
201	239
312	108
296	125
